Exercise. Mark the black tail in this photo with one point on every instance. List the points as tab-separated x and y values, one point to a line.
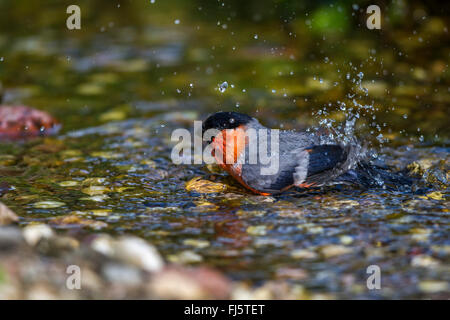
372	176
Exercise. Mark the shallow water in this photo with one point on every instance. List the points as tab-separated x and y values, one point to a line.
120	91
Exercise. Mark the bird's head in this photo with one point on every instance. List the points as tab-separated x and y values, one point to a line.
226	120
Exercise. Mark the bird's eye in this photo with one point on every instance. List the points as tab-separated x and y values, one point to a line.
232	120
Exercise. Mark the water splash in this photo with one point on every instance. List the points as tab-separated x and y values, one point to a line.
223	87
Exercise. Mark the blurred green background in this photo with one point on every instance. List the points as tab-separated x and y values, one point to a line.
283	61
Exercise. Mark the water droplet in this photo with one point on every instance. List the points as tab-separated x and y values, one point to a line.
223	86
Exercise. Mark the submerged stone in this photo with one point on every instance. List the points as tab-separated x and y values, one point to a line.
200	185
49	204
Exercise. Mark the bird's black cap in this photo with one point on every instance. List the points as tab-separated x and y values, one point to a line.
225	120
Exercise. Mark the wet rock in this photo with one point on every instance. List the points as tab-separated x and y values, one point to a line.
204	206
434	195
303	254
291	273
103	244
34	233
333	250
97	212
157	174
97	181
257	230
185	257
420	234
250	213
107	155
19	122
57	245
196	243
97	198
7	216
425	261
200	185
113	115
261	199
419	167
68	183
72	221
186	283
434	173
346	240
431	286
95	190
48	204
341	204
132	250
311	228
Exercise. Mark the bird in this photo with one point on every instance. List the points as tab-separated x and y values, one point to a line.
304	159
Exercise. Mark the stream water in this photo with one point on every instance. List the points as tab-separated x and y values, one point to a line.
138	71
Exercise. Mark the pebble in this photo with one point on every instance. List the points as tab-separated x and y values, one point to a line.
95	190
333	250
205	186
103	244
106	155
436	195
35	232
98	198
190	283
185	257
93	181
76	221
48	204
250	213
425	261
303	254
431	286
68	183
257	230
196	243
346	240
138	252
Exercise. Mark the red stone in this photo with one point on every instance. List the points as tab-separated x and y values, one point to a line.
20	122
